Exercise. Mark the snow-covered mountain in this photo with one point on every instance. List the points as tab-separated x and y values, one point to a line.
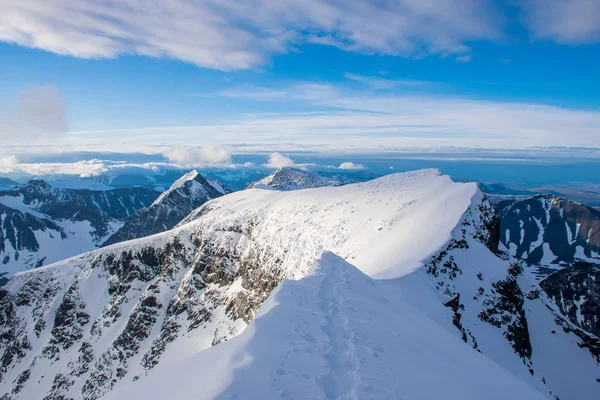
335	334
288	178
41	224
436	277
549	232
186	194
558	238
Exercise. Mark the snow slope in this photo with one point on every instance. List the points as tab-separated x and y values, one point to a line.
386	227
41	224
83	326
334	334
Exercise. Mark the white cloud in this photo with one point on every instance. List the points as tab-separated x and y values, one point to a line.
38	114
257	93
8	163
564	21
377	82
239	34
208	154
81	168
351	165
278	160
96	167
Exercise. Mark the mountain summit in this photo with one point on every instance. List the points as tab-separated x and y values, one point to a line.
288	178
186	194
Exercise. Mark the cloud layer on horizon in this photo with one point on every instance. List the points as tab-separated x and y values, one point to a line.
356	120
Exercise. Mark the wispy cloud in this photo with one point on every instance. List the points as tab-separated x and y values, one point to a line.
464	59
378	82
569	22
237	34
255	93
344	119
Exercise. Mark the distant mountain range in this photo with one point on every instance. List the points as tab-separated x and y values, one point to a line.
42	224
549	232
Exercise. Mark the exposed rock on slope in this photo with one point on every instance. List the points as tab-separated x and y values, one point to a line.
19	240
288	178
81	327
174	204
576	292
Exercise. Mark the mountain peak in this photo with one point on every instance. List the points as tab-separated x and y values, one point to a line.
182	182
34	191
39	185
290	178
174	204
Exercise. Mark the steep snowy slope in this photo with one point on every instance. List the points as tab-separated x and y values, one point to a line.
549	232
186	194
288	178
20	236
40	224
80	327
335	333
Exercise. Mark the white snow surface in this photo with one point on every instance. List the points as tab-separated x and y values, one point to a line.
386	227
335	334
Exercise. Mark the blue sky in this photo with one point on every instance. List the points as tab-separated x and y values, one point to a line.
263	74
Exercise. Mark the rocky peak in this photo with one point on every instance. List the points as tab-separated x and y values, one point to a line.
185	195
35	191
189	186
288	178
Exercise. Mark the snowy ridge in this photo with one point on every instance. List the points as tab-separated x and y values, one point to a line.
288	178
335	333
81	327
